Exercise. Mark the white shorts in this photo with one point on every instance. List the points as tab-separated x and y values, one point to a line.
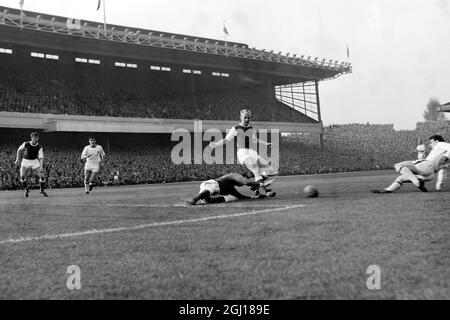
245	154
211	185
424	168
94	167
31	164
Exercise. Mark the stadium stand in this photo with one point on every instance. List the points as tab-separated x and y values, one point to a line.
35	86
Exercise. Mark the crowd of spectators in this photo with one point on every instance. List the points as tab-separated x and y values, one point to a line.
427	129
353	147
38	88
347	148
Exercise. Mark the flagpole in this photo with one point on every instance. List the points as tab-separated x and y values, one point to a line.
104	16
348	54
21	14
225	35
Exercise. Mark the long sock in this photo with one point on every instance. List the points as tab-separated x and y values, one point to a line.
257	174
255	170
394	186
217	200
202	195
42	185
24	184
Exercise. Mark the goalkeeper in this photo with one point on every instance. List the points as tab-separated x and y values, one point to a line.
223	189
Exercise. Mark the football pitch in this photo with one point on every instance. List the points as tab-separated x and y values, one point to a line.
139	242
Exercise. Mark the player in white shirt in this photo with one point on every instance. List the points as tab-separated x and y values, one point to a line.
92	156
30	156
420	171
440	176
247	156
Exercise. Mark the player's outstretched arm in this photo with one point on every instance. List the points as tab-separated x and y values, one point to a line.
217	144
229	137
261	142
264	143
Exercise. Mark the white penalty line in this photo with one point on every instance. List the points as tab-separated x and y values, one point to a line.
143	226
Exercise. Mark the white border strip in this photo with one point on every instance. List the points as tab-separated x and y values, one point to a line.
143	226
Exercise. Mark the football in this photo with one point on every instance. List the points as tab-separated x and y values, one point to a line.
311	192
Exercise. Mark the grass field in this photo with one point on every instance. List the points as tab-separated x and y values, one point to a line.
137	243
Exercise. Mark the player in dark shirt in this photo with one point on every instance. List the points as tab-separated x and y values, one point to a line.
30	156
223	189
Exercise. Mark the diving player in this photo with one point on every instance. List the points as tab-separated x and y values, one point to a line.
223	189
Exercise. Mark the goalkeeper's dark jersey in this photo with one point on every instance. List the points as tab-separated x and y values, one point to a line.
227	186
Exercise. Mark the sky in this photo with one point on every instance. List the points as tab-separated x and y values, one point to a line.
399	49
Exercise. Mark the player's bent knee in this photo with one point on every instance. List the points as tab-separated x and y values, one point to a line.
263	162
398	167
405	170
